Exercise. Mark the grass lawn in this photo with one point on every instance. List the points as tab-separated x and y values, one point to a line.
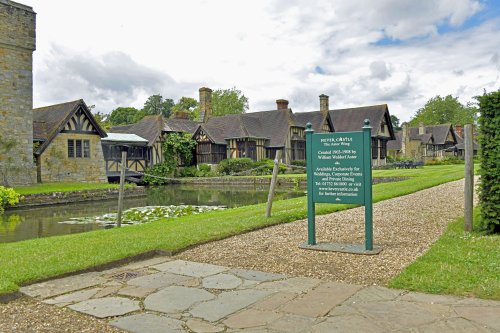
31	260
459	263
61	187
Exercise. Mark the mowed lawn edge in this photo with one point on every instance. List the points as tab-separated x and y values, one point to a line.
28	261
459	263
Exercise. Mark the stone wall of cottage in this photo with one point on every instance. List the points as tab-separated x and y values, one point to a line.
17	43
56	166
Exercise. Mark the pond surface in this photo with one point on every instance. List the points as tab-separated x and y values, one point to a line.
17	225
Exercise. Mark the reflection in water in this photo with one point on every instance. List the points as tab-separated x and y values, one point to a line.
17	225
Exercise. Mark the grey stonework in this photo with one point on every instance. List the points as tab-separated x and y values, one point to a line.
17	43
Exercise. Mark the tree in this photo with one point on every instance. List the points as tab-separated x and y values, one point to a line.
228	101
125	116
155	104
439	110
395	123
102	119
189	105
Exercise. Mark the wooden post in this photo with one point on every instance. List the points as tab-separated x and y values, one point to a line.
122	188
273	183
469	177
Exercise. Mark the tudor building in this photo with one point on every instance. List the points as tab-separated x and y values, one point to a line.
67	142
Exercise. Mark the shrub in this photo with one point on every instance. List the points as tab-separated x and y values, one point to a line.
204	170
158	170
189	171
265	167
298	166
8	197
489	124
234	165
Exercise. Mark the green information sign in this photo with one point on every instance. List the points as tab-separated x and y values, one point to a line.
337	169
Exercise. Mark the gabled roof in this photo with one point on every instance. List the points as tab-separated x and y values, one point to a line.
150	128
270	125
397	143
316	118
48	121
352	119
438	132
180	125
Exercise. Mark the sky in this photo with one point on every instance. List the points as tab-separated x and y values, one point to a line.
116	53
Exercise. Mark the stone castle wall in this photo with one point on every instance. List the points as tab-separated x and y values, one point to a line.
17	43
57	167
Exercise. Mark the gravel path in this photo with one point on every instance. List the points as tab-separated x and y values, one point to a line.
405	227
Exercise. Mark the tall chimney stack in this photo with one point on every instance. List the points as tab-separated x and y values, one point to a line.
282	104
421	128
205	104
323	103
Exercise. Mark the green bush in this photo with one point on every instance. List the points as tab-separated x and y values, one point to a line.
489	139
447	160
158	170
189	171
204	170
234	165
265	167
8	197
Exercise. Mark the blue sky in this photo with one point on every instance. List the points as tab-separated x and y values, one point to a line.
360	52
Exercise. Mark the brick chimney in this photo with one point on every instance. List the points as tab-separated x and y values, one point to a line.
205	104
323	103
181	115
458	130
281	104
421	129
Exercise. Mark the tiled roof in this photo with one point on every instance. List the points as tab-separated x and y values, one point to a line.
48	121
439	133
352	119
316	118
271	125
150	128
396	144
180	125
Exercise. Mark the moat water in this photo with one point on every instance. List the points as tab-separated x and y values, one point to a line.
17	225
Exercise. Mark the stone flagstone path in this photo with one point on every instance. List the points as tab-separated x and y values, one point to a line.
165	295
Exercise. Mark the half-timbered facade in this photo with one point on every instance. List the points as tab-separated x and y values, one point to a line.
67	142
138	158
424	142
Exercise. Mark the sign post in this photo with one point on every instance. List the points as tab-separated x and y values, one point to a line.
339	171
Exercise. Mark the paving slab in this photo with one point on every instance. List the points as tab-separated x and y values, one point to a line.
201	326
176	299
147	263
252	318
294	285
62	286
292	323
227	303
428	298
452	325
107	290
347	323
190	268
485	316
158	280
148	323
221	281
375	294
397	315
136	291
319	301
257	275
275	301
78	296
106	307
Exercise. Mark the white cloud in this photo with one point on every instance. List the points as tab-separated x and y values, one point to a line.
118	52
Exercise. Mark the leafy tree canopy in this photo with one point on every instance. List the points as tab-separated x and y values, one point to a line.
102	120
189	105
125	116
439	110
155	104
228	101
395	123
